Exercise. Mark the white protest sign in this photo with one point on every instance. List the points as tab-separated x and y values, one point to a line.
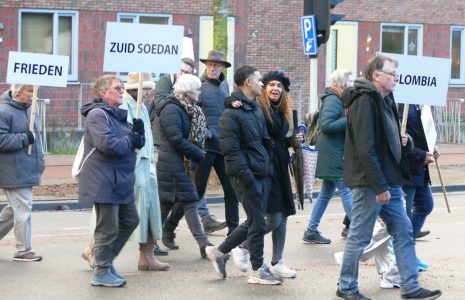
143	48
37	69
187	48
429	127
422	79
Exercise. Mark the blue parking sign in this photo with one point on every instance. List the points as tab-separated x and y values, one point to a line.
309	35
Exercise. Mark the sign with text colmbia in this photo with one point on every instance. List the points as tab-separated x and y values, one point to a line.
422	79
143	48
37	69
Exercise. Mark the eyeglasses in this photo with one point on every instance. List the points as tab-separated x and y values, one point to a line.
185	72
393	74
214	65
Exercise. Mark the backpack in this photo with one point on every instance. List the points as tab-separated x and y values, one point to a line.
313	127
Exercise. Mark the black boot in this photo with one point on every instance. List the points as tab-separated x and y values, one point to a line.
168	240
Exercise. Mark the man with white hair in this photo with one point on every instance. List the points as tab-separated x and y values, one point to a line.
20	171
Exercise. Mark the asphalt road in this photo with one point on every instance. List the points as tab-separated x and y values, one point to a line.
61	235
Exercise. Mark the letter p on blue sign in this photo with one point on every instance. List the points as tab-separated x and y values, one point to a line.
309	35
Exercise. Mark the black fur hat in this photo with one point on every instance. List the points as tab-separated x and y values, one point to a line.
279	76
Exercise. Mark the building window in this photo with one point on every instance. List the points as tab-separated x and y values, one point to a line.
457	55
144	19
50	32
402	39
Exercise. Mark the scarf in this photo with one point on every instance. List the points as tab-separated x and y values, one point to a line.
198	121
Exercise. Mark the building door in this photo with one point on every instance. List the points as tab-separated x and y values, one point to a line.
341	48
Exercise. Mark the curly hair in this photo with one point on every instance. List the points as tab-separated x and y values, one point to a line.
284	105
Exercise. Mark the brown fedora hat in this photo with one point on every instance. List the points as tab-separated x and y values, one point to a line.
216	56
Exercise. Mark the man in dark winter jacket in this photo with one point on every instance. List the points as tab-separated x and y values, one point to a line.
213	92
373	169
19	170
243	140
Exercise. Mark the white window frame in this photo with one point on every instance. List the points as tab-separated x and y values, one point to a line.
406	28
135	17
461	80
74	34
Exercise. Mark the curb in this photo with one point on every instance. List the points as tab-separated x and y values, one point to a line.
49	205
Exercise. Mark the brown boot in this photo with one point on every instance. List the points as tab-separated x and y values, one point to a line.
147	261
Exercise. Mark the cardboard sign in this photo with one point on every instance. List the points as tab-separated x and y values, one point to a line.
143	48
37	69
422	79
429	127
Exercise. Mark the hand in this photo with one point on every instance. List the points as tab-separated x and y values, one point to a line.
404	139
236	104
300	137
137	141
30	137
428	158
138	126
436	153
383	198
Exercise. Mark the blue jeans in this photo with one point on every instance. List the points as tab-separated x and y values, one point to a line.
419	202
326	193
365	210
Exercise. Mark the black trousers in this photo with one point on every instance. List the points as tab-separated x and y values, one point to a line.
231	203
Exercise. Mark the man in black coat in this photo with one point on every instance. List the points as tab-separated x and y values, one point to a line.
373	169
243	140
213	93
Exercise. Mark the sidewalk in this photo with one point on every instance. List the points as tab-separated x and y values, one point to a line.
58	167
58	172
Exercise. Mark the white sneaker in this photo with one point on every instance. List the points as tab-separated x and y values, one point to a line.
263	276
338	256
282	270
241	258
389	284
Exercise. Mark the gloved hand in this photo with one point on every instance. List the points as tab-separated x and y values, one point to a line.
30	137
137	141
138	126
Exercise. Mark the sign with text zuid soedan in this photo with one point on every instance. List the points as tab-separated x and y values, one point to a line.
37	69
142	48
422	79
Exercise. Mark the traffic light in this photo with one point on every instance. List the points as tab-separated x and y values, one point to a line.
324	19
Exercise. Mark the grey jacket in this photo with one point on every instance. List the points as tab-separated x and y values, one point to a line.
18	169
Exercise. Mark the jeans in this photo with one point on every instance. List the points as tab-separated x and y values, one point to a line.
326	193
17	215
365	210
231	203
114	226
419	201
254	227
276	223
173	212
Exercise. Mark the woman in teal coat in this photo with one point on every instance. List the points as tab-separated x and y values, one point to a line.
330	146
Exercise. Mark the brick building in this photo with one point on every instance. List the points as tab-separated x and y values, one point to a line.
263	33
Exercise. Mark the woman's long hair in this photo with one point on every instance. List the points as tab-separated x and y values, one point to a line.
284	105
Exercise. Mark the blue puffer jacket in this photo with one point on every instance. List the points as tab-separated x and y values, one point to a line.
17	168
175	125
108	174
213	94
